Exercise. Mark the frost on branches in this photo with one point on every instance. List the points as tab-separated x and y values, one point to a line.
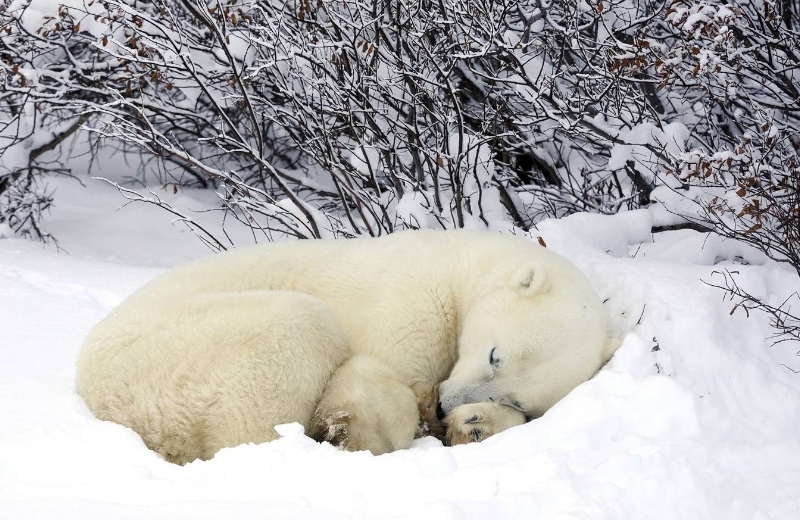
348	118
737	64
344	118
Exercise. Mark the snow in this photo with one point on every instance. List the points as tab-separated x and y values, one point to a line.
672	137
695	417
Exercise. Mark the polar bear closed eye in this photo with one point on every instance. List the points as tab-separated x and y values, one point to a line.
350	338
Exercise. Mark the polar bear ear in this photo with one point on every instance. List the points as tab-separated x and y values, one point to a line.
531	279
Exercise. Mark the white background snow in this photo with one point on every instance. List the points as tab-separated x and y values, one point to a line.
695	418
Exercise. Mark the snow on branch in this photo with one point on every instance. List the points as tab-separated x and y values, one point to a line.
346	118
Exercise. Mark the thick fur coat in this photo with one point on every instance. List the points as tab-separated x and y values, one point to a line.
350	338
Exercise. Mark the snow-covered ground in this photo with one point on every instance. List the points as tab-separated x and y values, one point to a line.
696	417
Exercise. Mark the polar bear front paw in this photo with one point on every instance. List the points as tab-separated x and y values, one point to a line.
463	431
478	421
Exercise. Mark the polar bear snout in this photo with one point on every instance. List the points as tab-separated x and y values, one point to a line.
450	398
439	411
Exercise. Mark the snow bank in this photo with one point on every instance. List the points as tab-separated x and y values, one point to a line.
695	417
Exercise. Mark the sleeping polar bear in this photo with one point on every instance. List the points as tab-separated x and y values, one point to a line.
350	338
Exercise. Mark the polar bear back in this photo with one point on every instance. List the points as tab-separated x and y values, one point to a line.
383	291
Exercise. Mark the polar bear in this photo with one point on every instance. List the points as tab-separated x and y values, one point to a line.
350	338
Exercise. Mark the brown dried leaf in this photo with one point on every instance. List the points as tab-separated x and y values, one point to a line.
753	229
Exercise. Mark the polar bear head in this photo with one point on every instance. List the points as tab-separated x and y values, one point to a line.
528	342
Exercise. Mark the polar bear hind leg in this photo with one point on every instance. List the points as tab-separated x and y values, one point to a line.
366	407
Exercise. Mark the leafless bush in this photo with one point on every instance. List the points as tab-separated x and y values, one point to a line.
345	118
737	64
784	317
42	75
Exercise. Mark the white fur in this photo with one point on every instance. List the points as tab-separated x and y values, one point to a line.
215	353
194	375
381	412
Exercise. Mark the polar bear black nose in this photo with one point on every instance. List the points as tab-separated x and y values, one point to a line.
439	411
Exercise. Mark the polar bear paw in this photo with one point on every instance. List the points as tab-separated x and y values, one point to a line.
365	407
478	421
333	428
